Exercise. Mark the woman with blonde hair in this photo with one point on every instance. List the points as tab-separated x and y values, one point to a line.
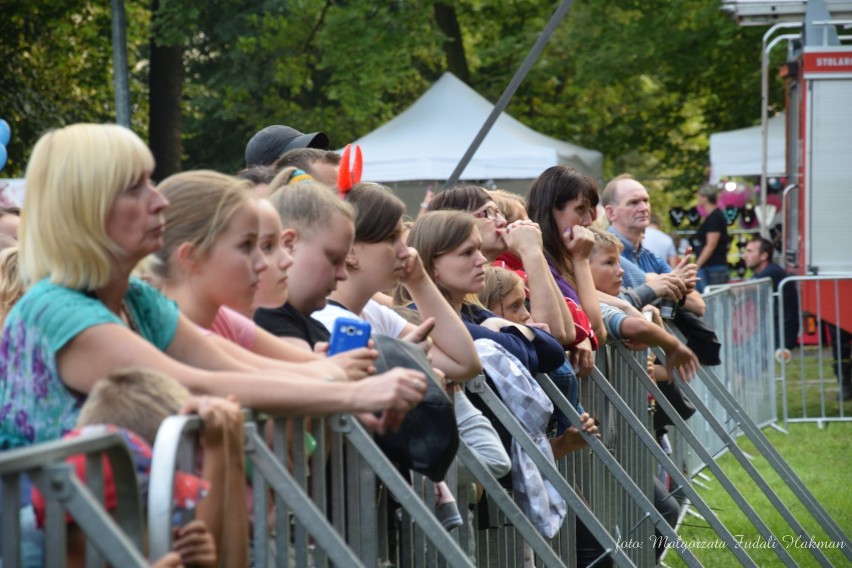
90	215
212	265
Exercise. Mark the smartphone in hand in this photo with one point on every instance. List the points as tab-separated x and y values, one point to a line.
347	334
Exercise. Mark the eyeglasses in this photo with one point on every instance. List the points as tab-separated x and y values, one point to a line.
490	213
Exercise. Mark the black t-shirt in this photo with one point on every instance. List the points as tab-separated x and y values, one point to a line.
714	223
286	321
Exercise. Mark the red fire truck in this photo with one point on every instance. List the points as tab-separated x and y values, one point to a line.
817	203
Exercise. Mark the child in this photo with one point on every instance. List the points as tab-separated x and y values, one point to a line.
193	544
140	400
504	294
607	275
212	266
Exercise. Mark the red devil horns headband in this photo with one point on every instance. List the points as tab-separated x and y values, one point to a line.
347	177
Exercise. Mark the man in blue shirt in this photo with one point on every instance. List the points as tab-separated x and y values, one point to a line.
628	209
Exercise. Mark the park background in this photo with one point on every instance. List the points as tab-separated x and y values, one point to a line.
643	81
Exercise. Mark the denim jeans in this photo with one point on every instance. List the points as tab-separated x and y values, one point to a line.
708	275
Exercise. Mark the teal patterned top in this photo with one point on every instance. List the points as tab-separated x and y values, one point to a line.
35	405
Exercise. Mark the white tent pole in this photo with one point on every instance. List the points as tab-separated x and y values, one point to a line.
520	74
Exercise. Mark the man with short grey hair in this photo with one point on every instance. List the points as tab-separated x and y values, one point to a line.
628	209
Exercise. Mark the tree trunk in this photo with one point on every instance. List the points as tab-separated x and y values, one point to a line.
165	82
445	17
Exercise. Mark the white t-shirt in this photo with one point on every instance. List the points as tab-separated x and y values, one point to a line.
383	320
659	243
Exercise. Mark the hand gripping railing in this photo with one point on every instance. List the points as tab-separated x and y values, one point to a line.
117	538
175	449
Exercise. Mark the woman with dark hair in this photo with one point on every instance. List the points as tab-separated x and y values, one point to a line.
519	246
476	201
562	201
378	261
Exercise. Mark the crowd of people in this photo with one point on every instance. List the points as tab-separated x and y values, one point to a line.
121	297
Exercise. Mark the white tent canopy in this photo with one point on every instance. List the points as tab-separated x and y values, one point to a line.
738	152
427	140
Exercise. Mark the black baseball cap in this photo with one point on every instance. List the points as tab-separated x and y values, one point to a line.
268	144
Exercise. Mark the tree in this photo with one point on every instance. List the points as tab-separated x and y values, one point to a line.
56	69
643	81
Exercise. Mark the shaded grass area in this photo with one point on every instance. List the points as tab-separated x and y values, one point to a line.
821	457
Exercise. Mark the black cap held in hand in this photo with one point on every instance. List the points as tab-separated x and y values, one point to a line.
268	144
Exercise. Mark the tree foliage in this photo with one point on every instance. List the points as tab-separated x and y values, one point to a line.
644	81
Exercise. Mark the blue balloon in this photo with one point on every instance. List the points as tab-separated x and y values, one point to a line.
3	156
5	132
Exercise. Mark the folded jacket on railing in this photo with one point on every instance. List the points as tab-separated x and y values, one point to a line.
525	399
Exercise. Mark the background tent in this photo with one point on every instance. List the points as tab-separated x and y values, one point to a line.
738	152
422	145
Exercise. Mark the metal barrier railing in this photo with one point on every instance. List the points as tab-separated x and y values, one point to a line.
807	393
727	409
753	432
744	324
636	372
343	503
116	538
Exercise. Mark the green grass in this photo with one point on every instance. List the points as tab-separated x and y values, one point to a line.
821	457
805	372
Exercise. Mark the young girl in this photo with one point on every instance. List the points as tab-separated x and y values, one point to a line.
212	267
271	289
449	245
378	262
504	294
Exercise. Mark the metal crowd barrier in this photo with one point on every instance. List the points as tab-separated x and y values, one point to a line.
734	403
630	366
808	391
324	493
741	316
115	538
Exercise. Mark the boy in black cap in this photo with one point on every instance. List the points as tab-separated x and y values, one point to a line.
267	144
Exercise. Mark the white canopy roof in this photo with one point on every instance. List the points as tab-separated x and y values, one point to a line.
427	140
738	152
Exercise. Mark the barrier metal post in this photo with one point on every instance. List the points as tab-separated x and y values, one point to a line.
375	460
826	297
549	471
623	479
677	476
684	430
117	538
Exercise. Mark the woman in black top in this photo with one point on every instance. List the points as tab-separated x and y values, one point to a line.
710	241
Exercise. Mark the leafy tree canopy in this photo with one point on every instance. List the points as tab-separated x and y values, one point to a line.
644	81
